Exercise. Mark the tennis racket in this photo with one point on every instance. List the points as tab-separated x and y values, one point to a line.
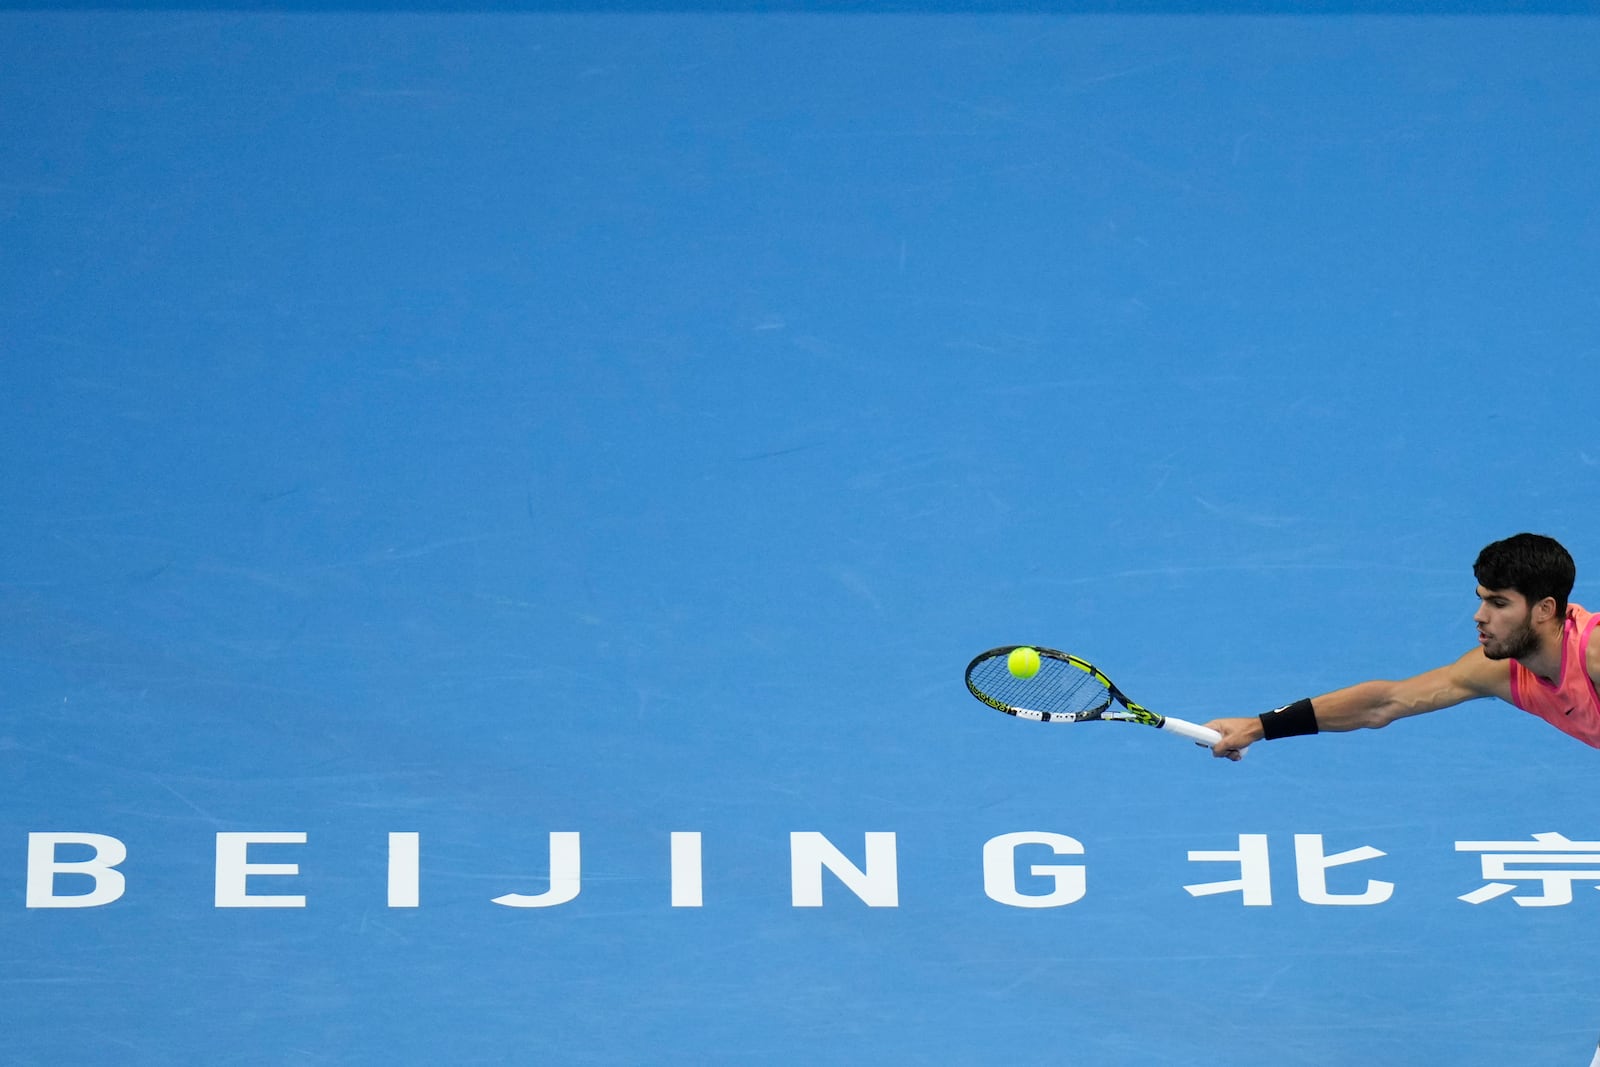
1066	689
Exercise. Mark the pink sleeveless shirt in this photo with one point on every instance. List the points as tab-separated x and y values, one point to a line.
1571	705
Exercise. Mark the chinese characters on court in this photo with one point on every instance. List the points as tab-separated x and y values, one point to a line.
1550	862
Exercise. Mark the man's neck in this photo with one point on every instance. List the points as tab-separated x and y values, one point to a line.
1546	662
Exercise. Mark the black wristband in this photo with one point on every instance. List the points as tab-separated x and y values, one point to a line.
1291	720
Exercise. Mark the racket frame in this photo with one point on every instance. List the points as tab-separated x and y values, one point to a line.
1131	711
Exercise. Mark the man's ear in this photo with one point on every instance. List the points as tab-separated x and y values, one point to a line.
1544	610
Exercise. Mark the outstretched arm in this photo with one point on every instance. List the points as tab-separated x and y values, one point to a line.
1375	704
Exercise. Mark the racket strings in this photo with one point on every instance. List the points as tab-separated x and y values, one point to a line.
1059	687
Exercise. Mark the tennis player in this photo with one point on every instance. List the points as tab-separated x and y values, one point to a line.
1534	651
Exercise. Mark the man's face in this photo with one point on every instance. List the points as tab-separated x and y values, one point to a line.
1505	624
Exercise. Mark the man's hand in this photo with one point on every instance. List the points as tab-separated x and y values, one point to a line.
1237	735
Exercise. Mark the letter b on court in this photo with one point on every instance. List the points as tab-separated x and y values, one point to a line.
44	865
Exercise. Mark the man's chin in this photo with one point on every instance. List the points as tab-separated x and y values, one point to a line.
1498	650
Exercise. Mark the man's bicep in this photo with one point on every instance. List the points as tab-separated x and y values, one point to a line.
1468	678
1475	675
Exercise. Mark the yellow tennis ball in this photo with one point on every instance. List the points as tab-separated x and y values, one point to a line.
1024	662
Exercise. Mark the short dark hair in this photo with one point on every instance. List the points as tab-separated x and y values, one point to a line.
1534	565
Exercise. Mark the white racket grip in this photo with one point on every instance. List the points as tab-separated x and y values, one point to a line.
1193	731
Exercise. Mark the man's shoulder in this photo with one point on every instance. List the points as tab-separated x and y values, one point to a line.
1591	659
1586	623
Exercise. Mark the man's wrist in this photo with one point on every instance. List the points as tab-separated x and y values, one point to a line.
1291	720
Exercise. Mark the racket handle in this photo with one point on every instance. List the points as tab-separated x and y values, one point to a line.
1194	732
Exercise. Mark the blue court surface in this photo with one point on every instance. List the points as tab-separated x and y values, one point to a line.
496	507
